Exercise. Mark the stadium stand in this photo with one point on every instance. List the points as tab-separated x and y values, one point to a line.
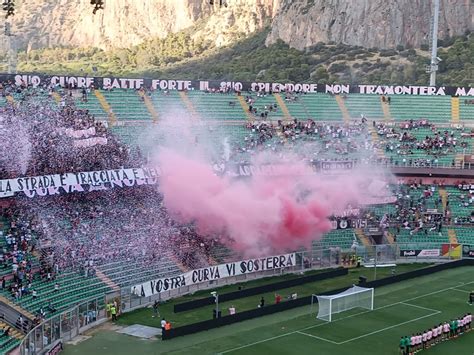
167	103
431	239
435	108
127	104
464	235
466	108
366	105
72	288
343	239
9	342
123	273
93	105
216	107
320	107
423	145
223	120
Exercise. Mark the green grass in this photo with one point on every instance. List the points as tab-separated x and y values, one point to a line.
143	316
400	309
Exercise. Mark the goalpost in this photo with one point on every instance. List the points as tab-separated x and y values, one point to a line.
351	298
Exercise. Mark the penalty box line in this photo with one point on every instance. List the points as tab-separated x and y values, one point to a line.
391	327
420	307
433	312
343	318
368	334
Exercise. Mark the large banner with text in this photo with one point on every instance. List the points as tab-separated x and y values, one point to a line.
57	184
213	273
184	84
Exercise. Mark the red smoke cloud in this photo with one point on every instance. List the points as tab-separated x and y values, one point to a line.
259	215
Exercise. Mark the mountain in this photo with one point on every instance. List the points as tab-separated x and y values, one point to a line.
350	41
299	23
368	23
124	23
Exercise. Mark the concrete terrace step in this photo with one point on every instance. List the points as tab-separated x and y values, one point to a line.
14	333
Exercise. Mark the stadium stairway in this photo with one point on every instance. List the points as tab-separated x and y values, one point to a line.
376	140
283	107
386	110
458	161
455	109
245	107
189	105
444	196
14	333
362	237
105	105
56	97
17	308
296	109
149	105
342	106
178	263
106	280
92	105
453	239
389	237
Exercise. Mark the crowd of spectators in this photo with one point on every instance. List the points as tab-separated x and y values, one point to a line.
310	140
421	210
47	236
85	231
40	145
420	143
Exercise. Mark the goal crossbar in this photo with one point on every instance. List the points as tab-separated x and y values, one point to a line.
354	297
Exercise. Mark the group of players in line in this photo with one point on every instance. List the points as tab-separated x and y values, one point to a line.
435	335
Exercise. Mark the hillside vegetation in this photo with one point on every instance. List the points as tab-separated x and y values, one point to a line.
179	56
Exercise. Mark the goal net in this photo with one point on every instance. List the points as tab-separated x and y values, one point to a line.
351	298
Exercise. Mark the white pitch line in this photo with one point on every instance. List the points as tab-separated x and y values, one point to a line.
257	342
435	292
314	336
387	328
463	291
421	307
339	319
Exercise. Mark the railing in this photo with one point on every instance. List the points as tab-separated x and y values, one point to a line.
305	260
426	165
69	324
64	326
313	259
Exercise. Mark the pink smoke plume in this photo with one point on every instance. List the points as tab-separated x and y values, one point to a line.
259	215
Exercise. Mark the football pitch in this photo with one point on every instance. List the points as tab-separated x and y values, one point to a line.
399	309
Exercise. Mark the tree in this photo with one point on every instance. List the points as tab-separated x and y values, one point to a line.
320	74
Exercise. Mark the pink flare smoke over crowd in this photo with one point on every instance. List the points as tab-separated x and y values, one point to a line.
256	216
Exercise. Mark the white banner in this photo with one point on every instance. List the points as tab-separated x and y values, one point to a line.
186	84
429	252
212	273
90	142
81	133
77	182
378	200
420	253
